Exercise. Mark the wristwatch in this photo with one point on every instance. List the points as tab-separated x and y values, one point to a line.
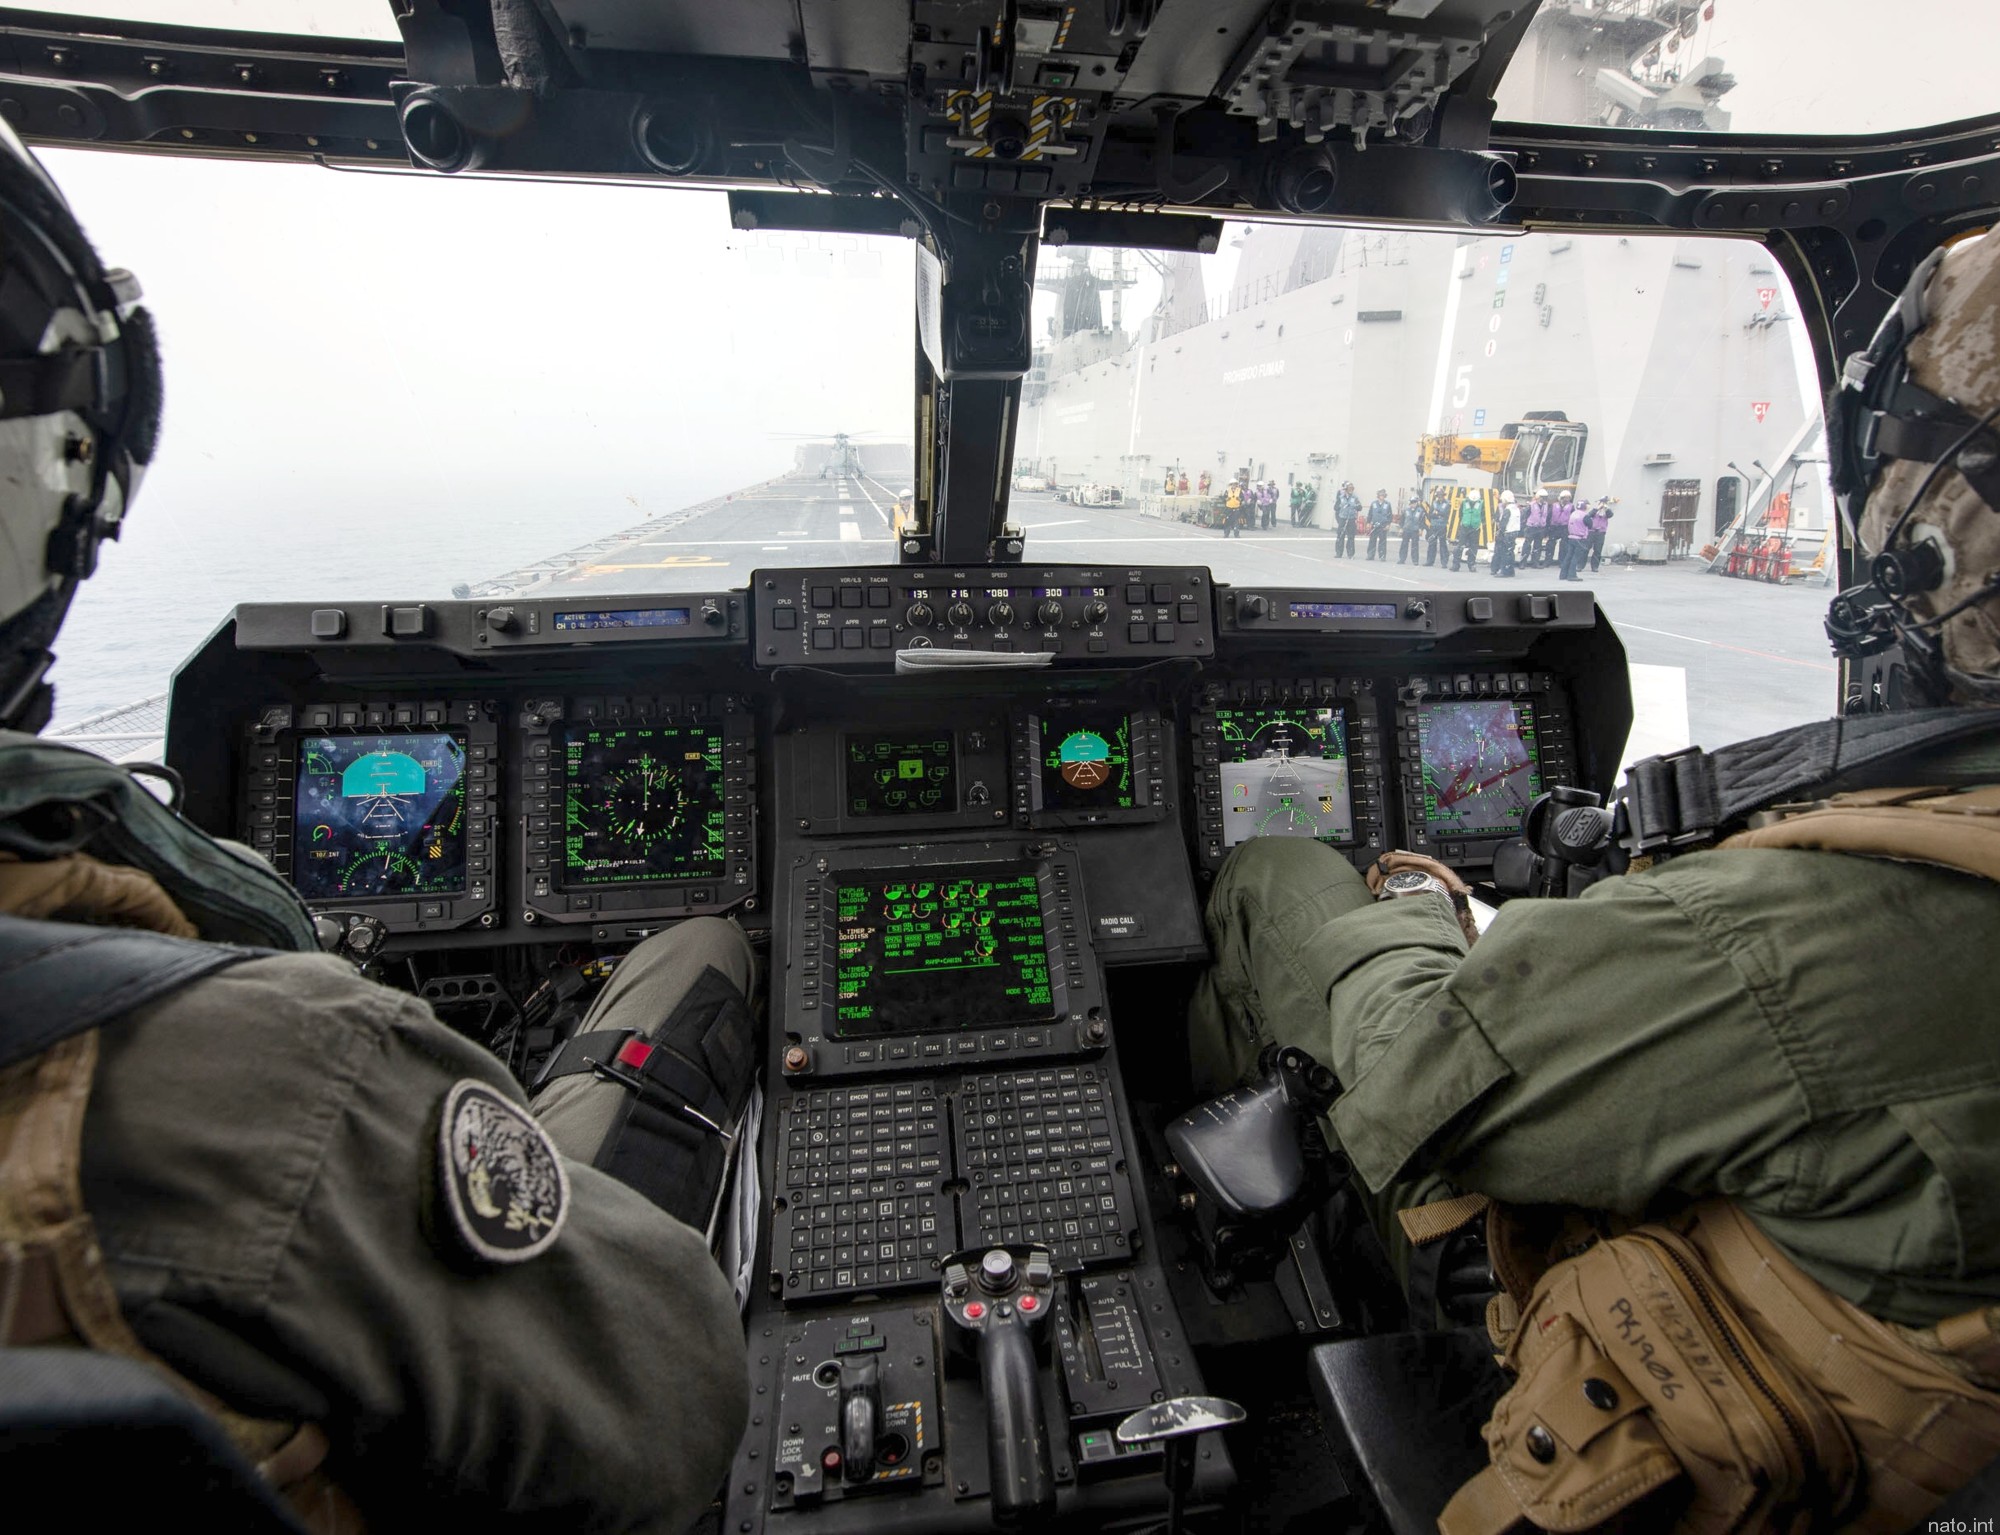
1411	882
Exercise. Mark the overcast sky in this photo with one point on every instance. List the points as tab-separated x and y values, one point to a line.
381	380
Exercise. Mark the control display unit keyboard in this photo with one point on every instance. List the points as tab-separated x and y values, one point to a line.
874	1184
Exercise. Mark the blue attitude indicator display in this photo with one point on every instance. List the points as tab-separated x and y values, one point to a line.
1087	759
379	815
1482	766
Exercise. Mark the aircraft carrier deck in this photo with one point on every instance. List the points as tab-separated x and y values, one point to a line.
1714	659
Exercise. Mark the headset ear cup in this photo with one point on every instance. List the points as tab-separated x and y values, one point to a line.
145	387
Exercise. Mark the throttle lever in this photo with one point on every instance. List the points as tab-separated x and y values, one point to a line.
998	1300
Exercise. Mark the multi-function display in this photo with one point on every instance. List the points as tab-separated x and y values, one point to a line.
1284	774
1086	759
926	952
1481	765
641	804
908	773
379	815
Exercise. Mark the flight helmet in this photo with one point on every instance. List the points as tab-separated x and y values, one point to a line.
1914	433
79	420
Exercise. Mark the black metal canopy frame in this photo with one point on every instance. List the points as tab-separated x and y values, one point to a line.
985	128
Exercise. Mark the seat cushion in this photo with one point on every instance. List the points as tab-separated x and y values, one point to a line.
1404	1412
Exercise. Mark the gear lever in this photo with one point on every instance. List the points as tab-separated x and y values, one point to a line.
999	1300
860	1416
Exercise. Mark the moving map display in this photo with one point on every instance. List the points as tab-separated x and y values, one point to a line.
1086	761
1284	774
905	774
939	951
641	804
1481	766
379	815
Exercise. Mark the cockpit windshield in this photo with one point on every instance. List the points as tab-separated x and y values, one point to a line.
495	388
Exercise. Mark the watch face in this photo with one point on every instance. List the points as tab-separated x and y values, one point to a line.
1411	882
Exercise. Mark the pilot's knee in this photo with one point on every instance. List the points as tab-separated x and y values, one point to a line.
699	943
1283	869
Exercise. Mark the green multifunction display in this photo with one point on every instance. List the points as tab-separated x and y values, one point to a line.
642	804
1481	766
1087	759
918	952
1284	773
904	774
379	815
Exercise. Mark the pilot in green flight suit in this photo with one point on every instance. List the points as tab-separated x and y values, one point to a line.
267	1154
1808	1033
1737	1116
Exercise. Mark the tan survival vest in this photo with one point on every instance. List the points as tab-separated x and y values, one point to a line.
1685	1375
54	1290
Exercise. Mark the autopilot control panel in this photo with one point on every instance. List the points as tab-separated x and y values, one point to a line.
970	873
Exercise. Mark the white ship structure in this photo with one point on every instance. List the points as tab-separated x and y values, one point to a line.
1330	354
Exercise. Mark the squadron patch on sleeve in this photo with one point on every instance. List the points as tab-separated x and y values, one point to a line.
499	1178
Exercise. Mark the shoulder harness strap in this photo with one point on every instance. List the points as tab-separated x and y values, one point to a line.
61	979
1679	802
1954	829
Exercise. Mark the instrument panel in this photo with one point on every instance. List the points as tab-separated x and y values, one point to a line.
959	808
560	809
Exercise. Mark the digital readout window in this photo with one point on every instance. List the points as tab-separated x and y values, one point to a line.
906	774
641	804
623	618
379	815
1284	774
920	953
1086	761
1481	766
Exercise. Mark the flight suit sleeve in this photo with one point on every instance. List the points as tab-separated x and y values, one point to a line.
1597	1051
267	1163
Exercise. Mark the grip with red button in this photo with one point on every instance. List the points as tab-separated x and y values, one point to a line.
998	1300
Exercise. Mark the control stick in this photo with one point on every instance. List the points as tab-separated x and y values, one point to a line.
998	1301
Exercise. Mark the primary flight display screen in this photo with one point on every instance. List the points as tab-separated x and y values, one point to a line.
641	804
939	950
1086	759
1481	766
1284	774
379	815
903	774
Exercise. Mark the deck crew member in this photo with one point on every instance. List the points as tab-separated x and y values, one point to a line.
1381	511
1471	523
1600	523
1346	518
1577	536
1504	535
1437	526
1412	526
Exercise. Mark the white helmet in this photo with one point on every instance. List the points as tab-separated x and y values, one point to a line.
79	420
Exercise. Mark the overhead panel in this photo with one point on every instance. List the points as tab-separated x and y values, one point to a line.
740	29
